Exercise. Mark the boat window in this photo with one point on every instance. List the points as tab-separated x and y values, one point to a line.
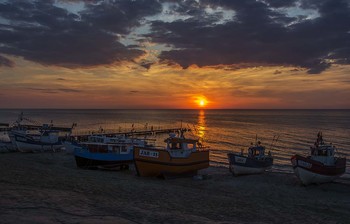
123	149
116	149
322	152
190	146
175	145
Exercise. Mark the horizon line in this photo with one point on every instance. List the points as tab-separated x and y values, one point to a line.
174	108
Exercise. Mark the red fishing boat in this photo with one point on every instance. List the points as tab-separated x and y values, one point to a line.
321	165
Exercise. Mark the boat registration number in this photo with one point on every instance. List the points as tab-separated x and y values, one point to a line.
148	153
240	160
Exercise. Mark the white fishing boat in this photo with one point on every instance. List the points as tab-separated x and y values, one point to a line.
256	161
36	138
45	140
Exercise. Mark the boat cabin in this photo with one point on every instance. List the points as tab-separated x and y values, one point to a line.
104	139
180	147
97	138
320	148
176	143
256	151
120	149
323	150
49	136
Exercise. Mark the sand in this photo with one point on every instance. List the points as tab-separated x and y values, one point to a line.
48	188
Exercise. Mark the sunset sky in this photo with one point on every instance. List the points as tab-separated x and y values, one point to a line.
253	54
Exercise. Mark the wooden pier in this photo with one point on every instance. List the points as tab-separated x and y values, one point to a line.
136	133
109	133
4	127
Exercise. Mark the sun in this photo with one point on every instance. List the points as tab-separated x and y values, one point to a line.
201	101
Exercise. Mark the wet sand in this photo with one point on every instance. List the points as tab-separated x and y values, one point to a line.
48	188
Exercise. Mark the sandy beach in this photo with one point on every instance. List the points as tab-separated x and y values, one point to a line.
49	188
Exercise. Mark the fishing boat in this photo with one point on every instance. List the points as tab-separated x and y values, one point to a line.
36	138
254	162
321	166
38	141
105	152
181	156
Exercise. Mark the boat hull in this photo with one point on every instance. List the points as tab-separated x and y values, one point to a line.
93	160
159	163
313	172
6	146
37	147
243	165
69	147
25	143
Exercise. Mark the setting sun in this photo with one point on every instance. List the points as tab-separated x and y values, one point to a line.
201	101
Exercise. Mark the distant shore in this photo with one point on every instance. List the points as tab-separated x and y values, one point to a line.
48	188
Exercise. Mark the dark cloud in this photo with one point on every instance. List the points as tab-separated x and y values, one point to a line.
58	90
42	32
145	64
67	90
280	3
6	62
260	33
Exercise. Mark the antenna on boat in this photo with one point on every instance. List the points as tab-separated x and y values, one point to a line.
274	140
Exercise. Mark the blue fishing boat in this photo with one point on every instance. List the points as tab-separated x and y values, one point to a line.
255	162
117	152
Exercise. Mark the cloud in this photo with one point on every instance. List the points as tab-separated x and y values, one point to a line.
260	33
302	33
53	90
6	62
45	33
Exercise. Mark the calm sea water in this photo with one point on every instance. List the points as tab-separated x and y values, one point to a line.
221	130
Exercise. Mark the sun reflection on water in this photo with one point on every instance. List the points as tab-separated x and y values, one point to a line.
201	126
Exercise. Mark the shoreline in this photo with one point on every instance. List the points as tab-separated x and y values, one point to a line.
49	188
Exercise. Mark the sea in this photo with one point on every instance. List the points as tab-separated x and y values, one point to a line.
283	132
